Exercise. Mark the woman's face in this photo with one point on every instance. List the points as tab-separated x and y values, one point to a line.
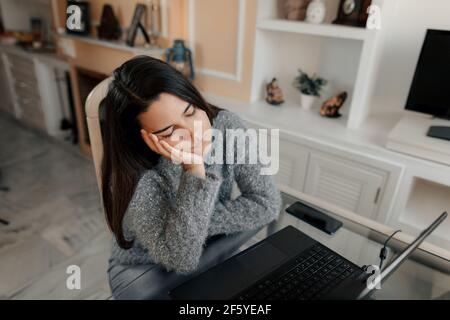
174	120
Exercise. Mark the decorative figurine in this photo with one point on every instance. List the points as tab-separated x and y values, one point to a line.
330	108
274	93
109	28
295	9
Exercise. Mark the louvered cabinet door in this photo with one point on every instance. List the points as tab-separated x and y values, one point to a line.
345	183
293	161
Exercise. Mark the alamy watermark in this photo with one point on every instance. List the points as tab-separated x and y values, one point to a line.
235	146
73	281
74	21
374	17
374	280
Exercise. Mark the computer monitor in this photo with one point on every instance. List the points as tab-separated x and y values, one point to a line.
429	89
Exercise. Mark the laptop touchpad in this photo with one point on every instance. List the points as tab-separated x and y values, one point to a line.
262	259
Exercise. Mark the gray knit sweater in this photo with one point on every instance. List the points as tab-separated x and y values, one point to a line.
173	211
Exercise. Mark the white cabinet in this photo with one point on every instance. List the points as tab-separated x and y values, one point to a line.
351	180
25	87
292	165
345	183
292	161
32	83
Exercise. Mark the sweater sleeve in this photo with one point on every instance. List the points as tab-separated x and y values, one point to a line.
174	232
258	204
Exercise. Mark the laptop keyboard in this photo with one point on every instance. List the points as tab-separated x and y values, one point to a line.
308	276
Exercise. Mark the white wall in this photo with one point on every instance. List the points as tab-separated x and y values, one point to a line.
16	14
402	38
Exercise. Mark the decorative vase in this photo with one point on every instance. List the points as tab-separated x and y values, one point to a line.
316	12
307	101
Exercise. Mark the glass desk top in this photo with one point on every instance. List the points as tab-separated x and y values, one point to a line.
422	276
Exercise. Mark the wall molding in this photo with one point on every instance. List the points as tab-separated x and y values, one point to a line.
237	76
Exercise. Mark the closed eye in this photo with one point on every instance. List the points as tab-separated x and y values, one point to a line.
190	111
167	135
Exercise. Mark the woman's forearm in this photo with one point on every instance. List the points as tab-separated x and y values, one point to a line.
247	212
174	235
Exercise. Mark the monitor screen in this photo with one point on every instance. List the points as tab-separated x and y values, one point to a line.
430	91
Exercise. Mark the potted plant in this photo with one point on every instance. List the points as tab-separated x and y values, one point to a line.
309	88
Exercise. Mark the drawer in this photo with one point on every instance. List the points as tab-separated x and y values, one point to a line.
22	68
20	62
24	76
34	121
34	117
30	106
26	90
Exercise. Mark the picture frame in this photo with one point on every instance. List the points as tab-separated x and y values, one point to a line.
139	13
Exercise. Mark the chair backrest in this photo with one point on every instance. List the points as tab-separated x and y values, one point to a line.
93	124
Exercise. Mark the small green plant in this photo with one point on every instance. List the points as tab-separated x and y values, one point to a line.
309	85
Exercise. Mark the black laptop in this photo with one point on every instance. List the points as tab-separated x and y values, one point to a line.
288	265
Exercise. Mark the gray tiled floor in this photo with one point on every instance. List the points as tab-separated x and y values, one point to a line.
55	216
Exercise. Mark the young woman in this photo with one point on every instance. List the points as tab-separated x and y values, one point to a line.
160	205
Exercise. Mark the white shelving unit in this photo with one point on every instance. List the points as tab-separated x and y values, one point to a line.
408	192
325	30
119	45
344	55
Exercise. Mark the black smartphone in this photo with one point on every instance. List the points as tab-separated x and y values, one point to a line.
314	217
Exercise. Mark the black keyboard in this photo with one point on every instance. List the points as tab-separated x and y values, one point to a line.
310	275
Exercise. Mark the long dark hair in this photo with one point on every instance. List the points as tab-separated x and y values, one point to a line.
136	84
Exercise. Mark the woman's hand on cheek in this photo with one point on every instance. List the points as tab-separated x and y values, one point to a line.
152	142
191	162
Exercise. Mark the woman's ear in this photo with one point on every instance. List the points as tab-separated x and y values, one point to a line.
148	141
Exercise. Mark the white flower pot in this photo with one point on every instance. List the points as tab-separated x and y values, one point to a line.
307	101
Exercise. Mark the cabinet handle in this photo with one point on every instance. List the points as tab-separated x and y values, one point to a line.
377	195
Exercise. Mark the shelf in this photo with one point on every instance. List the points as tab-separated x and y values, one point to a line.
427	199
346	64
289	117
119	45
325	30
410	137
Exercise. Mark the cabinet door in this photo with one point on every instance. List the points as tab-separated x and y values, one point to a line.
345	183
293	161
5	93
25	86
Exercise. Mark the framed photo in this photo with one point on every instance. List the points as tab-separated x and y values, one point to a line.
136	24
